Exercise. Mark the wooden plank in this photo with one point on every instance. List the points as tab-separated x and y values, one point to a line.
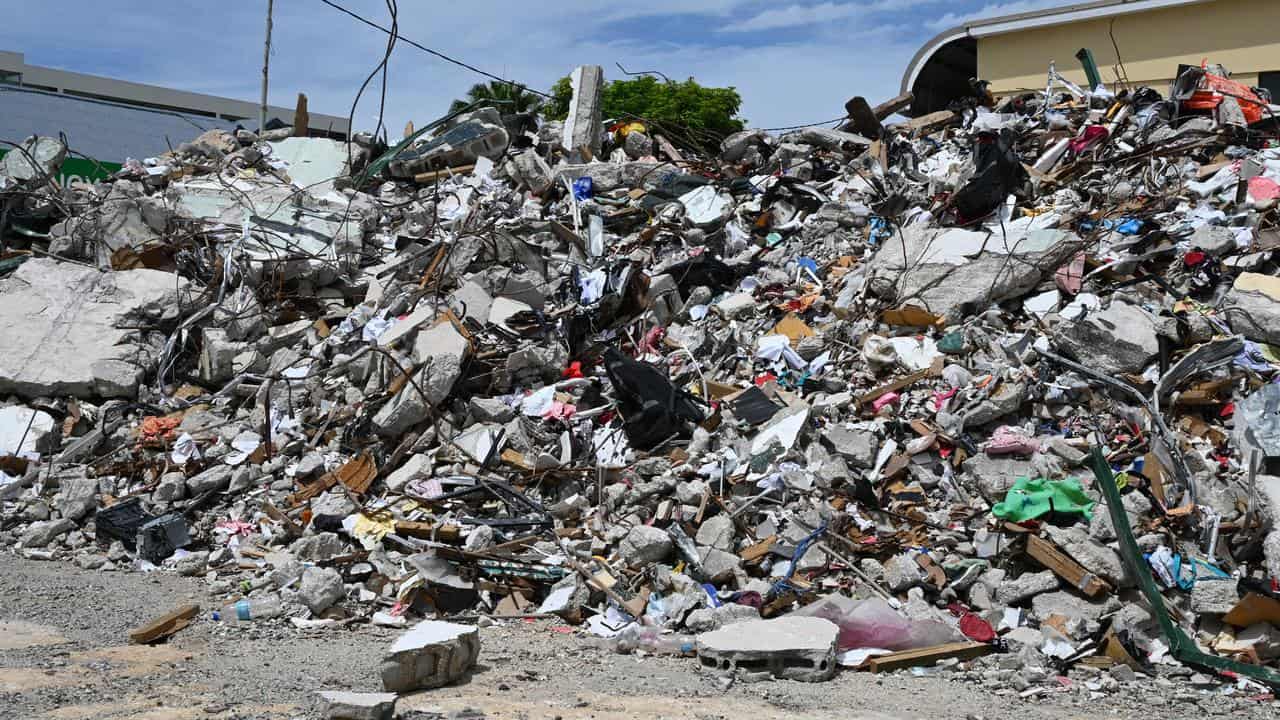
165	625
431	268
325	482
668	149
928	656
892	105
429	531
301	120
931	123
356	475
1048	554
291	528
896	385
755	552
433	175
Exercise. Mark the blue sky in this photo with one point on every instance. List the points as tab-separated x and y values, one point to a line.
793	62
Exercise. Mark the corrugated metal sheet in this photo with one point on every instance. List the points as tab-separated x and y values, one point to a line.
102	130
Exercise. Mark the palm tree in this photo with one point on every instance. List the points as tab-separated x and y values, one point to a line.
507	98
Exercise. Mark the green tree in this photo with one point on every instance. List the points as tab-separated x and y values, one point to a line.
507	98
681	105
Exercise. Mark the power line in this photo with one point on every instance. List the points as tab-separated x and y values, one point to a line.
436	53
797	127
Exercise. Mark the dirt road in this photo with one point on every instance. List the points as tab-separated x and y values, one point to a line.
64	655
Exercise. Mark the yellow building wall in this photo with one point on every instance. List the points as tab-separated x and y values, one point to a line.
1241	35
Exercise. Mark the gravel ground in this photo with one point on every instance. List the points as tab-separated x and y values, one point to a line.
64	655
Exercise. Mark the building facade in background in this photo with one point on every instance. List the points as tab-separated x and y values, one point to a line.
106	121
1153	39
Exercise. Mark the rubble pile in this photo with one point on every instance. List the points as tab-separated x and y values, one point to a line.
992	388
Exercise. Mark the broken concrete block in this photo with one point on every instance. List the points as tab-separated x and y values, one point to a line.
358	706
530	170
857	446
1120	339
583	126
406	409
313	163
611	176
66	327
1214	239
1011	592
472	301
1213	597
700	621
1257	299
24	431
993	476
718	565
735	305
47	152
468	137
1005	400
217	356
318	547
217	477
437	342
416	466
1263	638
1097	558
241	315
320	589
791	648
490	410
902	572
78	498
172	487
40	534
956	272
717	531
429	655
645	544
1071	606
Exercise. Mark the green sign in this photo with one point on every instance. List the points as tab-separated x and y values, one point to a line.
77	168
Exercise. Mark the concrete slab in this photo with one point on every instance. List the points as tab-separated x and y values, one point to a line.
792	648
429	655
66	328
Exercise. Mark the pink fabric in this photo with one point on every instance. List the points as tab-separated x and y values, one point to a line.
1008	440
559	411
940	398
1263	188
885	399
1070	276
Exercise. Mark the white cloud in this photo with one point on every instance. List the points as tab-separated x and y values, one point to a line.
795	16
827	12
991	10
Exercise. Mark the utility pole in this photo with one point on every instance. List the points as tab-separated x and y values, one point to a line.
266	62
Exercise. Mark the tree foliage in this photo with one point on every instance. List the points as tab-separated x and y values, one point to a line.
679	104
507	98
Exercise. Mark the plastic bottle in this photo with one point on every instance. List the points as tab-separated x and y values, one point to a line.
653	641
250	609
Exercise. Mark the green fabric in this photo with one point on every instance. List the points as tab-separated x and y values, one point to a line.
1030	499
952	343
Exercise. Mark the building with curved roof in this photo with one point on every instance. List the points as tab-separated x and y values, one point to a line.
1141	42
